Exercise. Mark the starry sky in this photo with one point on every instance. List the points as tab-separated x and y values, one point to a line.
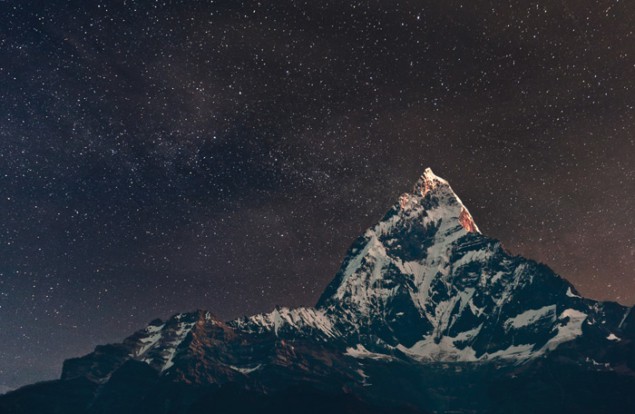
163	156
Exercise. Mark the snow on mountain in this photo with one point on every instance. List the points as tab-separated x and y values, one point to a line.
308	320
423	286
4	389
426	282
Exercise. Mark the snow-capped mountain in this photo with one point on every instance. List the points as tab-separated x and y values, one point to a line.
422	309
426	282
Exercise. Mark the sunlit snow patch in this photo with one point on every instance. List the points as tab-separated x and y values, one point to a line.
361	352
245	370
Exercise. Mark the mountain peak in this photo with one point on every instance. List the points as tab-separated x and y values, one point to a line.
430	185
427	182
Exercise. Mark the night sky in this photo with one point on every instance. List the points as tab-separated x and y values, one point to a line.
158	157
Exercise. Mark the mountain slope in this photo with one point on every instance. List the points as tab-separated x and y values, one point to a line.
425	281
425	312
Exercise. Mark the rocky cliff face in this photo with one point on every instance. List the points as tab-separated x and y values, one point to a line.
423	308
426	282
